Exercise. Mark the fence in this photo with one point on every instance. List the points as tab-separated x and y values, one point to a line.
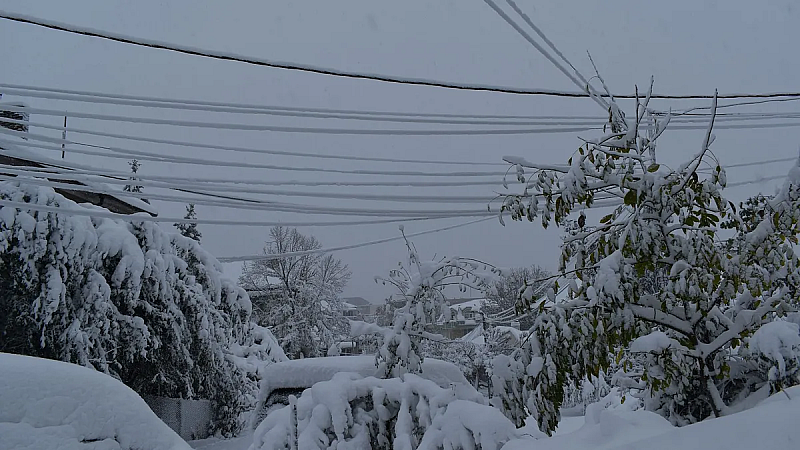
191	419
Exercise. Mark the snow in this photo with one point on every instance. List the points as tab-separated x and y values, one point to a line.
351	412
474	305
214	443
778	341
770	425
656	341
48	404
119	194
304	373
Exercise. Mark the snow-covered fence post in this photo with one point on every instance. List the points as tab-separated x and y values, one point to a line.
293	423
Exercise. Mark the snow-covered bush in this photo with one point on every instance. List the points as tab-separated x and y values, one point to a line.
251	358
421	285
120	297
673	222
406	413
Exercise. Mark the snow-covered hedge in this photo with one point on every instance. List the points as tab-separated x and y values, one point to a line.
53	405
351	412
147	306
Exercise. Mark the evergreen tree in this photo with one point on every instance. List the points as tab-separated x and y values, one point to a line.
189	229
122	298
134	165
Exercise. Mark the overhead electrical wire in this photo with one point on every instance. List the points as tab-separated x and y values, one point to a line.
346	247
542	121
255	204
126	154
87	178
225	56
237	149
104	214
214	182
348	114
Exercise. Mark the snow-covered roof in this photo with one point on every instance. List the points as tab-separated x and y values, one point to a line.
47	404
474	305
115	192
357	301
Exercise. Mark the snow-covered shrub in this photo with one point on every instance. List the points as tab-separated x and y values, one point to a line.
260	350
709	293
421	285
406	413
775	347
149	307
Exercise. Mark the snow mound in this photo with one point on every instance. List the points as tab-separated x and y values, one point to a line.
48	404
769	425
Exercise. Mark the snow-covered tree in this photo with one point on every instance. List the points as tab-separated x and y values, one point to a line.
676	344
135	165
118	297
502	300
298	293
422	286
189	229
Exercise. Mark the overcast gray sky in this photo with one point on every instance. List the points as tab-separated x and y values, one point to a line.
689	46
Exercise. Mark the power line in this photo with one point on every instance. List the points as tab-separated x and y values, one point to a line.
148	43
542	121
217	182
238	149
104	214
253	204
345	247
61	176
125	154
354	114
305	130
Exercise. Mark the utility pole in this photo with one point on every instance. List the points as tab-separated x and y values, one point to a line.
63	136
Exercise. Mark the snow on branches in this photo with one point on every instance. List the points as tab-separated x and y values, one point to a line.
407	413
717	291
422	299
126	298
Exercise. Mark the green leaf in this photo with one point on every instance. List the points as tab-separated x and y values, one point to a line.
630	198
653	168
606	219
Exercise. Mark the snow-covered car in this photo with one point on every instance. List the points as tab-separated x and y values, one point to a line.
283	379
47	404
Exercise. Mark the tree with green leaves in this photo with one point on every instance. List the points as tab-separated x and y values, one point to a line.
689	349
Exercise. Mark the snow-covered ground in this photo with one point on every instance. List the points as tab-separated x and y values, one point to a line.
770	425
48	404
238	443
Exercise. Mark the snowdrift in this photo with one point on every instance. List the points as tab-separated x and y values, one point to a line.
770	425
48	404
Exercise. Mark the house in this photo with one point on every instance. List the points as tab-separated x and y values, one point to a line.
367	310
465	316
17	155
